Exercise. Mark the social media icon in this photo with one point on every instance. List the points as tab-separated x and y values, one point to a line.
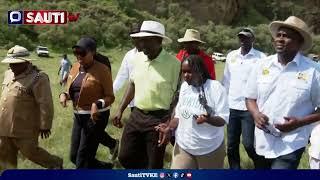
162	175
169	175
175	175
182	175
189	175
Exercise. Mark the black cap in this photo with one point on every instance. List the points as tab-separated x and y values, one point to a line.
86	43
246	32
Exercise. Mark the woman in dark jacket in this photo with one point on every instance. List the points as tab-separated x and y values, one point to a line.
89	86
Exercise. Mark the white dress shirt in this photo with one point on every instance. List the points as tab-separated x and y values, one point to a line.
284	91
236	73
124	72
200	139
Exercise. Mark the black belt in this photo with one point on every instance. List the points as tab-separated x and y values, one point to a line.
159	112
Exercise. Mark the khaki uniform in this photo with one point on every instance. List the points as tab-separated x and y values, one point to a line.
25	107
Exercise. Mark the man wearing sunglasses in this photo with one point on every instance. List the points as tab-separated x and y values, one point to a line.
237	68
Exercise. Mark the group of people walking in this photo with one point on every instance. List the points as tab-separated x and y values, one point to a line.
272	102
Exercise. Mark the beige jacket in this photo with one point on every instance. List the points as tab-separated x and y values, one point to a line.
23	113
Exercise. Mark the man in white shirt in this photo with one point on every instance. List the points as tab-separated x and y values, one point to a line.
282	93
239	64
126	66
64	68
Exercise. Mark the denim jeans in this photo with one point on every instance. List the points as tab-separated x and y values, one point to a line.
241	122
288	161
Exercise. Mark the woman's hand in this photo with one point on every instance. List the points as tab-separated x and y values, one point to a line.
63	100
94	112
202	119
212	120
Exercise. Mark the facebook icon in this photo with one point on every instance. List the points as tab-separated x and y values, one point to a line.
175	175
15	17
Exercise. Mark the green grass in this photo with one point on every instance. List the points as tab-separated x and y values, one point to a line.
59	141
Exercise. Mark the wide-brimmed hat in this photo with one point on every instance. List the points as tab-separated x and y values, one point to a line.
17	54
191	35
296	24
152	28
248	32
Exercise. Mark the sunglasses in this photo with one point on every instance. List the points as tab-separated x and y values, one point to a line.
80	52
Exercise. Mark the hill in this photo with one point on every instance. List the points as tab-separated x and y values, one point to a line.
109	21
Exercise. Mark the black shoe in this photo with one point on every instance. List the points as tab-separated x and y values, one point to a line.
102	165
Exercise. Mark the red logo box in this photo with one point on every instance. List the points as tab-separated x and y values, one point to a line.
38	17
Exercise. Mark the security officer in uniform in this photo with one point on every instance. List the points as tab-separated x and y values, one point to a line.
26	111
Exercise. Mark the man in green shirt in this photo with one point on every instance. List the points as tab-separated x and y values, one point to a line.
153	83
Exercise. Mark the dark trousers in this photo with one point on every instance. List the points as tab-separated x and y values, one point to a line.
139	143
85	139
288	161
241	122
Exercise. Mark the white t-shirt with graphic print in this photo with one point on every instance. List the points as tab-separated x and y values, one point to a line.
200	139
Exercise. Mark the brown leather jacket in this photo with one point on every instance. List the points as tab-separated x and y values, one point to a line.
97	84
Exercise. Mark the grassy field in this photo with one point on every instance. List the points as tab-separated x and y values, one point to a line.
59	141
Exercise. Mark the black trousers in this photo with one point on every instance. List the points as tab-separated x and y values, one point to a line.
85	139
139	143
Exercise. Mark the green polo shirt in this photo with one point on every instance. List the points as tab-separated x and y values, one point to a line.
155	81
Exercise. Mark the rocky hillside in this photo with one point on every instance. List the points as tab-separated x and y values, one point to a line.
217	11
238	12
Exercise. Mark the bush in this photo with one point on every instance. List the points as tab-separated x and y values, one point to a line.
316	45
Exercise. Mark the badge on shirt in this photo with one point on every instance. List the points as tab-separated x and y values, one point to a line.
186	114
265	71
302	76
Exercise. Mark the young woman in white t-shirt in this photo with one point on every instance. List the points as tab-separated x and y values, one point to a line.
200	116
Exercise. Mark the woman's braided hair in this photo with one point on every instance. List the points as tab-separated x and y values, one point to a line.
197	67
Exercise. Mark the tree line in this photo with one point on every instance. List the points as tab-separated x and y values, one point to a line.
109	23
